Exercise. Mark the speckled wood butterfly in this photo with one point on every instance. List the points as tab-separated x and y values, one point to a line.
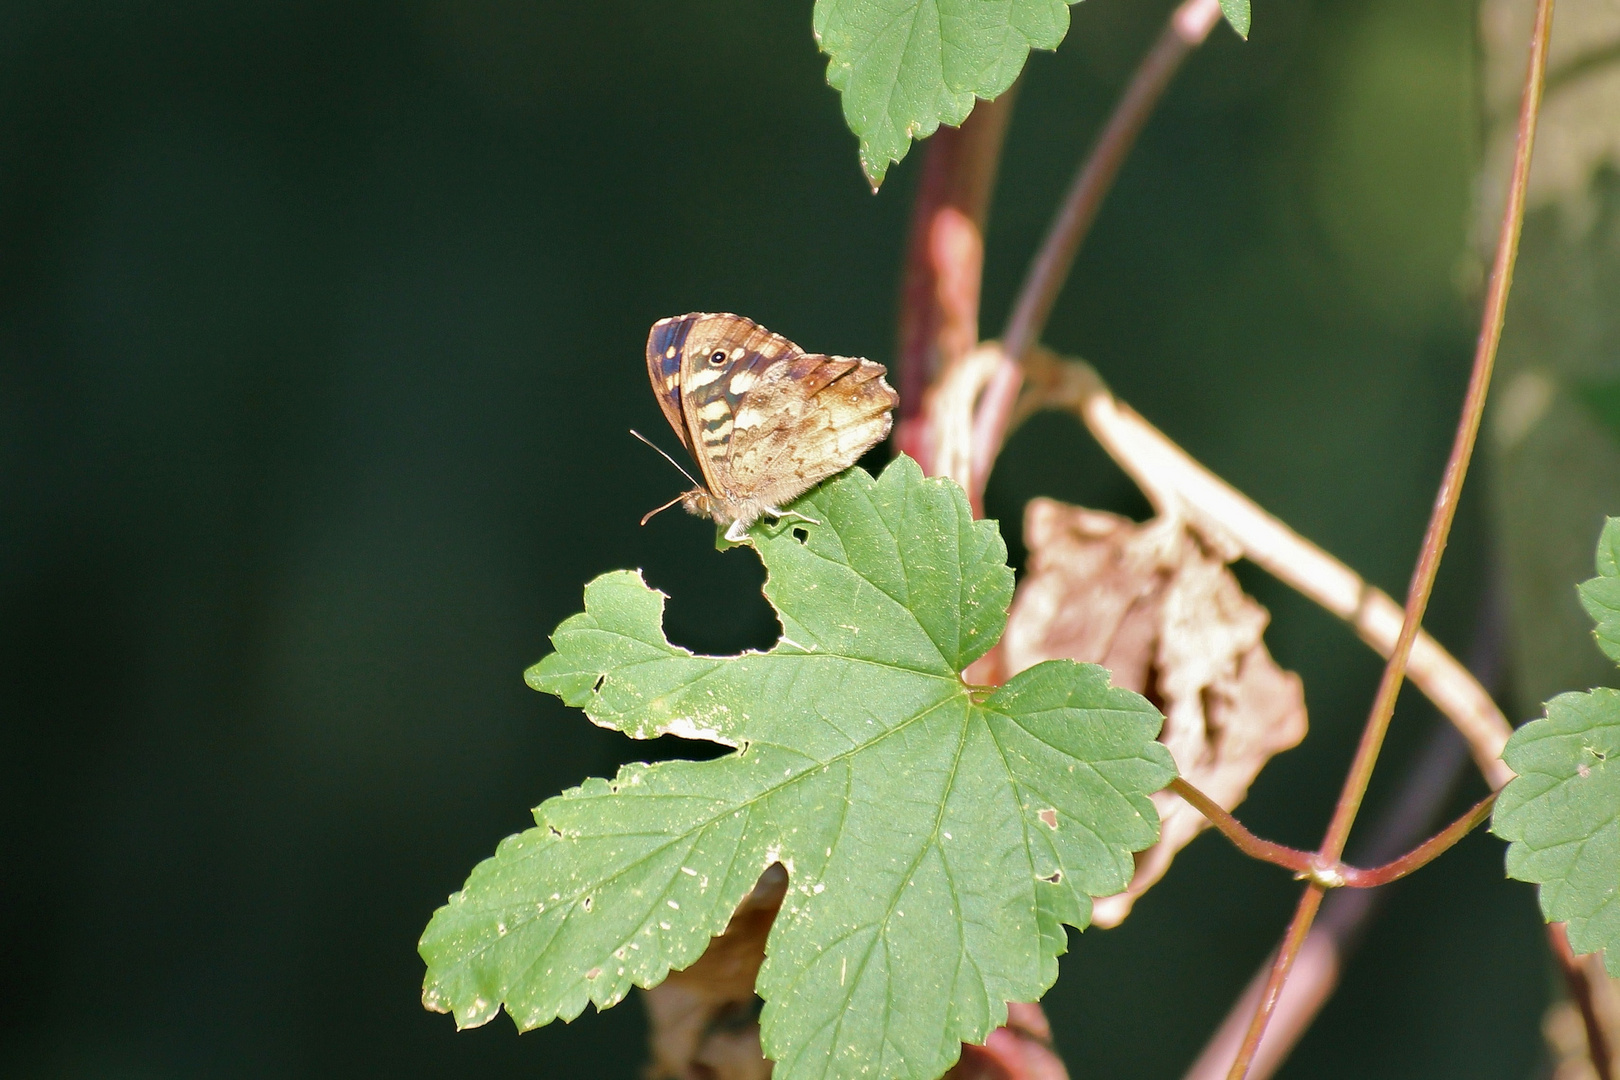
765	420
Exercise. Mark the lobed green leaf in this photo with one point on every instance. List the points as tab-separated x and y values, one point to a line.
935	843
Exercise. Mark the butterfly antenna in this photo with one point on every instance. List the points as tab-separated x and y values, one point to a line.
667	458
649	515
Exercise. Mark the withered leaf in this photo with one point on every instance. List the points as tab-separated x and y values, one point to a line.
1157	607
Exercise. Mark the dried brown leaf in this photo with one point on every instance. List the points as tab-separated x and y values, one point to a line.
1157	607
704	1021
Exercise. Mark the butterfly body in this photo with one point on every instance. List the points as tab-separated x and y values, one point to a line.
764	420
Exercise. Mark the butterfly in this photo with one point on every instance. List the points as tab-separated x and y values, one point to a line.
765	420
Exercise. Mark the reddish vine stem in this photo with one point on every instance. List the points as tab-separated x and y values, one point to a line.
1189	25
939	295
1335	874
1578	981
1434	540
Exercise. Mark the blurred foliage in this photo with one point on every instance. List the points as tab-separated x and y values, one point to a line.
320	328
1553	442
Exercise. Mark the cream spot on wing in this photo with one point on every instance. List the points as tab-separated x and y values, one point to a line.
714	410
703	377
748	417
743	381
737	353
716	435
669	353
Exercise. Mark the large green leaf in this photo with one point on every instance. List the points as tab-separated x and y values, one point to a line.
1561	814
936	836
906	66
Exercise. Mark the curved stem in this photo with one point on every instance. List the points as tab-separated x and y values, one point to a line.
1434	540
1334	874
1234	830
1176	484
1423	854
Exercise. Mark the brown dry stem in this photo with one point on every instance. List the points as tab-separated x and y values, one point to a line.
1180	488
1434	538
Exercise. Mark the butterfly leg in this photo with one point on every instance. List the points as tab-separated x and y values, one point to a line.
783	515
737	531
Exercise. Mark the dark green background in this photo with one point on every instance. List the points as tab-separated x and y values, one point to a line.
320	330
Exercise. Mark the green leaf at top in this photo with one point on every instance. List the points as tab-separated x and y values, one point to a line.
1237	13
936	836
1601	595
1561	813
905	67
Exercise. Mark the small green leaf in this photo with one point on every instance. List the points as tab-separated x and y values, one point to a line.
936	836
1237	13
1601	595
1561	816
906	66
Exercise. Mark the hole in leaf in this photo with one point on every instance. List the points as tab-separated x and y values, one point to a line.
596	687
801	534
586	903
1054	877
553	830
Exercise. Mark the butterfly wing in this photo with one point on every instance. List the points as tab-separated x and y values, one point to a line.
764	420
723	356
805	420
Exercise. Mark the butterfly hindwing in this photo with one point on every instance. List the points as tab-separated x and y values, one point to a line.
791	433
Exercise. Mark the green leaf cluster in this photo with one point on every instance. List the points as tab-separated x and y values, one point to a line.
1561	814
904	67
936	835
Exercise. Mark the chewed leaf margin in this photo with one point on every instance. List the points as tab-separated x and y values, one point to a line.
915	820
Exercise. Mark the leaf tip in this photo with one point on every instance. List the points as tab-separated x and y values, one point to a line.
1237	16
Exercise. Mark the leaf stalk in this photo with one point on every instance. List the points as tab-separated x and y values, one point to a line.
1335	874
1435	536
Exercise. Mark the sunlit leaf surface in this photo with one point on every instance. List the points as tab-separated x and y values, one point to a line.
936	837
905	67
